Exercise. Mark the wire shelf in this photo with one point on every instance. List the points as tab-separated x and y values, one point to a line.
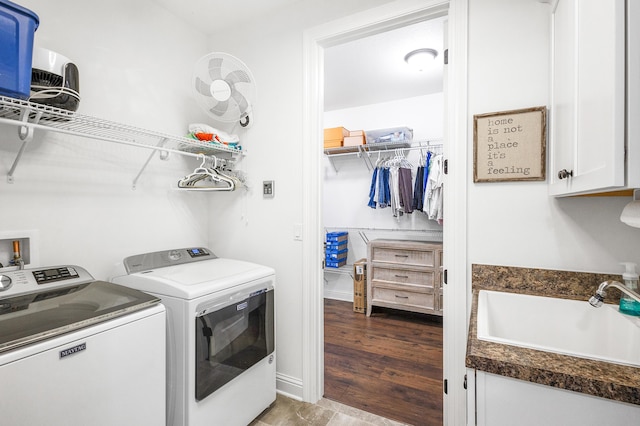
365	151
28	114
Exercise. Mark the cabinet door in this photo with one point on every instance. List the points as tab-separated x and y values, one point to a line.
503	401
588	96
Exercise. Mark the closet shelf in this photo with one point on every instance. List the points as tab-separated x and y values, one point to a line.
364	151
342	270
29	116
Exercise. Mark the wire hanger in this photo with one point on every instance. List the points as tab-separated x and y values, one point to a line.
202	177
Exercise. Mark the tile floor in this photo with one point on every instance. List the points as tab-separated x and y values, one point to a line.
290	412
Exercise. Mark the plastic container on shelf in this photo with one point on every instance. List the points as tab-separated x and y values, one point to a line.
17	30
337	237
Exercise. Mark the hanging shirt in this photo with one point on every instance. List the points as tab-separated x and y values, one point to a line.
427	163
372	189
395	193
404	189
384	197
433	192
418	190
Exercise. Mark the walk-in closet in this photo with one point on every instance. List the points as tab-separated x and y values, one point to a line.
383	187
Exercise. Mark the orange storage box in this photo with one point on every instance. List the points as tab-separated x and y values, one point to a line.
334	137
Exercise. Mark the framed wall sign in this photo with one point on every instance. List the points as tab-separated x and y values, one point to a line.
510	145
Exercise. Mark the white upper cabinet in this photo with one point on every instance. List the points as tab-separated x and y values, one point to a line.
588	100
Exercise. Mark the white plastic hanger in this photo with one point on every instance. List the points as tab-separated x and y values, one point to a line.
203	174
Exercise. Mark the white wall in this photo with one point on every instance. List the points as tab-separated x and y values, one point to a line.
77	192
518	224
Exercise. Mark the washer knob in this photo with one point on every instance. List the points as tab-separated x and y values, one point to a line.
175	255
5	283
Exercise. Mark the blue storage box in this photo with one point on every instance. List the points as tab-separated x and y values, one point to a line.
336	237
333	255
336	246
335	263
17	28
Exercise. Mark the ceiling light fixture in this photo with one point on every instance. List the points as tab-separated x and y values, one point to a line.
419	59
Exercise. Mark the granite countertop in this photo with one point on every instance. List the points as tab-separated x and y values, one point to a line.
598	378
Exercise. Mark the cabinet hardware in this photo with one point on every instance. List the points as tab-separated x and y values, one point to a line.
402	276
563	174
402	255
444	276
402	297
444	387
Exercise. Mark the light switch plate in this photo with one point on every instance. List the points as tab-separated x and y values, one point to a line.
268	188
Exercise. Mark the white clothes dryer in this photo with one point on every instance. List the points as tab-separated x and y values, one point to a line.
221	367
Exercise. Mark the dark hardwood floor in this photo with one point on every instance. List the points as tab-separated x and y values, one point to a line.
389	364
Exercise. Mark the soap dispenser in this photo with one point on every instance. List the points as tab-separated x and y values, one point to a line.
628	305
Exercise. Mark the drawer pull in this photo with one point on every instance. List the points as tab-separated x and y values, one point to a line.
402	276
402	255
402	297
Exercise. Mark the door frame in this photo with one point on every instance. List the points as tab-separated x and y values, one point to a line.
389	16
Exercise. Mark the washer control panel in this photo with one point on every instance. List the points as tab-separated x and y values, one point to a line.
30	280
5	282
44	276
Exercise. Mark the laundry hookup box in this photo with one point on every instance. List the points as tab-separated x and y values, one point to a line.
360	286
335	249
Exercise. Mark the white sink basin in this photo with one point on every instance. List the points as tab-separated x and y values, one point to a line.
569	327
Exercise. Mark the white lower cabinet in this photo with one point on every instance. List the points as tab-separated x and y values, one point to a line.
503	401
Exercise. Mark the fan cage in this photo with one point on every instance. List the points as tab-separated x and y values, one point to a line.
228	64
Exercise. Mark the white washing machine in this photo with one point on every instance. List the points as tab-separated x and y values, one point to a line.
74	351
221	367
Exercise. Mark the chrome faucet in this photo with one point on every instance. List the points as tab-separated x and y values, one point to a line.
598	299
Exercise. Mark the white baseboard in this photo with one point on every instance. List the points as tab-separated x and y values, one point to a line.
289	386
338	295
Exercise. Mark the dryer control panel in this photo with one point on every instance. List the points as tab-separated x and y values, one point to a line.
160	259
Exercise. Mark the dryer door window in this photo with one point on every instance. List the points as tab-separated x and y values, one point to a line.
231	340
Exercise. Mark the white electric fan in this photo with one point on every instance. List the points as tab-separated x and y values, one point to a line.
224	87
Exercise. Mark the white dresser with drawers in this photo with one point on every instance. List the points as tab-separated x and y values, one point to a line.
404	275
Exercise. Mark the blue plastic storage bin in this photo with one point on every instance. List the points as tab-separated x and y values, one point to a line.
336	246
336	237
333	255
17	28
335	263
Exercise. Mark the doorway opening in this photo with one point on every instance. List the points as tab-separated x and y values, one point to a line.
393	15
389	364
